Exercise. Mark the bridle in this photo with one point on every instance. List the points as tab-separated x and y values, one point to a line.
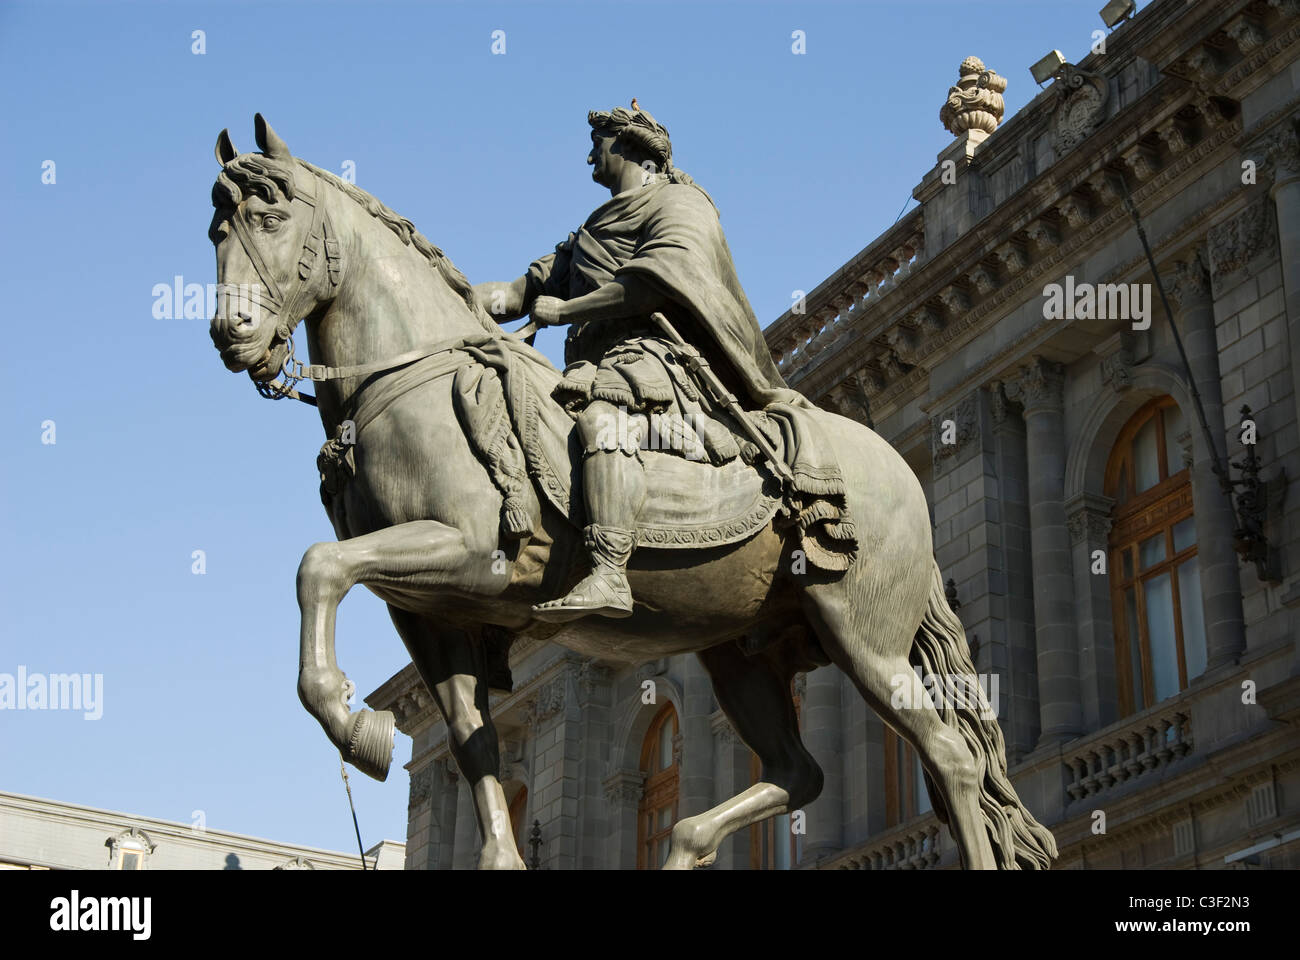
285	303
285	306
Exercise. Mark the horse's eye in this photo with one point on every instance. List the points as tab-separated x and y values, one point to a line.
270	222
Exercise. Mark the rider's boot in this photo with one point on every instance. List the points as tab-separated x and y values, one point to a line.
614	488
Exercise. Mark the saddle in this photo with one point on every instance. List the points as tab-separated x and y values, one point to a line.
526	441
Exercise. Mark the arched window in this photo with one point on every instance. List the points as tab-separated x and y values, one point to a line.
1154	573
658	810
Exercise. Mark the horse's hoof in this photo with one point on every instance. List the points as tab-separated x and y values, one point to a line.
370	748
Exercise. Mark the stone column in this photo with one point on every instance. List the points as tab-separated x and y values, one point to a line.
822	725
695	785
623	791
1011	651
556	720
447	792
1281	151
464	854
1039	389
1088	520
595	695
730	777
1225	635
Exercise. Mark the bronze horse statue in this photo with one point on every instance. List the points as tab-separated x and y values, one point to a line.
419	523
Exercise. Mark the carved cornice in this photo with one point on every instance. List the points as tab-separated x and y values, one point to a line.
1257	50
973	320
1159	116
414	708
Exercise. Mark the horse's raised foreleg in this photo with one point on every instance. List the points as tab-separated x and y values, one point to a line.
422	555
453	666
754	692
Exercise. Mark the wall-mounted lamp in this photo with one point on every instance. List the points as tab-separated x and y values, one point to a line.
1047	67
1117	11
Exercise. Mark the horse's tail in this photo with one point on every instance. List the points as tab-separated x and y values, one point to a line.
1018	840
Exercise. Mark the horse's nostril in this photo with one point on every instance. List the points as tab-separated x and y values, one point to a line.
245	320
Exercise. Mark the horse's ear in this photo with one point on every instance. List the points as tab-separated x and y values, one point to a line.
269	141
225	149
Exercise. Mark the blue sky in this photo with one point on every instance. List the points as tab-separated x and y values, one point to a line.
160	452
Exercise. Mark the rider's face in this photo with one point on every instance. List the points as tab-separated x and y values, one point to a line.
603	160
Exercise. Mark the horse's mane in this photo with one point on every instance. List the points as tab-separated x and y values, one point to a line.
260	174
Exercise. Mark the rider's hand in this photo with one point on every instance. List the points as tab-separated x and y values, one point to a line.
548	311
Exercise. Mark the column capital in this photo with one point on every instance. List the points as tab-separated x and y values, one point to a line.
1087	517
1279	148
1039	386
723	731
624	788
1189	280
593	677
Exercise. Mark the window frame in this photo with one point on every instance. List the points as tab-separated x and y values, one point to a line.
660	789
1135	519
901	808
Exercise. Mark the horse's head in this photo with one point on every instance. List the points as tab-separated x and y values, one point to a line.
277	261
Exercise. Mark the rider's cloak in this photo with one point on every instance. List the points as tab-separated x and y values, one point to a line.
669	234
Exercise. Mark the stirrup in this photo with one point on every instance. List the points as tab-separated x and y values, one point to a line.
604	592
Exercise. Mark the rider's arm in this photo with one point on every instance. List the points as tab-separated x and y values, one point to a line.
505	301
628	296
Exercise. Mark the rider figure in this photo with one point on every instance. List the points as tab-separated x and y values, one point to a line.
655	246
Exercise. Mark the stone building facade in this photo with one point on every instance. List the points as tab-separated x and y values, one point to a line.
1009	338
40	834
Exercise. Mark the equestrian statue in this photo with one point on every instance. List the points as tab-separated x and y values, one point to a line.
667	493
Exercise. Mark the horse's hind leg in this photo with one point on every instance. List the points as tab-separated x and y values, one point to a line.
754	692
453	666
422	555
876	658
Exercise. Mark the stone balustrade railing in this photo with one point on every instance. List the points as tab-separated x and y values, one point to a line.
915	845
837	303
1120	754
